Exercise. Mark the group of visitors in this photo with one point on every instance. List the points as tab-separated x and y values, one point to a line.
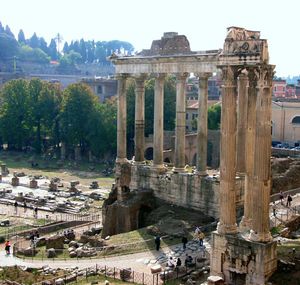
289	199
174	263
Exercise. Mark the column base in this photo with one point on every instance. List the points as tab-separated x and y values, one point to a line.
227	229
245	224
178	170
201	172
139	162
121	160
260	237
160	168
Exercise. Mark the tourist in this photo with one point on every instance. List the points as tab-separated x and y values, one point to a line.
274	209
25	206
201	237
188	260
35	212
31	238
197	231
7	247
184	241
16	206
289	201
178	262
171	262
157	240
281	197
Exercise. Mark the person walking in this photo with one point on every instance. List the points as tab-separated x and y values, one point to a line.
281	197
7	247
274	209
157	240
184	241
35	212
201	237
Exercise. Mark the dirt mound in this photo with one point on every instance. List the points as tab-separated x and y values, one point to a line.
173	220
285	172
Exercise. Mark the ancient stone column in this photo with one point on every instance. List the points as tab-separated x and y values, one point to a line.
246	222
121	128
241	122
180	122
227	223
139	118
262	165
202	123
158	136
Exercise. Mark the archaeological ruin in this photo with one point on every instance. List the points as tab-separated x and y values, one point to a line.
241	254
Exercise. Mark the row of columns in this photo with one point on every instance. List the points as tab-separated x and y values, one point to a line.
246	148
179	161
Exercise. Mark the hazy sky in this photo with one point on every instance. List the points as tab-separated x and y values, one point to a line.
140	21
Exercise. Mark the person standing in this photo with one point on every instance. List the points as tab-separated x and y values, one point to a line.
184	241
157	240
289	201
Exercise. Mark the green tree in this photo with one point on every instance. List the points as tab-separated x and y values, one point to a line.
34	41
21	37
43	108
14	126
27	53
214	117
78	107
53	50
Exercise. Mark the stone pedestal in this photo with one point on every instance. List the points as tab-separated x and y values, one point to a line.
33	183
4	169
15	181
52	186
241	261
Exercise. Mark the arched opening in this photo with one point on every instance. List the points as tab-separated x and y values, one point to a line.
142	216
149	153
296	120
167	160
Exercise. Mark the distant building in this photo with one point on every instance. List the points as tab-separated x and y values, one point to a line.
191	114
279	86
286	122
102	87
214	89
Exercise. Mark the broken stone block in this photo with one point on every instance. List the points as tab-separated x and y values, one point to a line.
155	269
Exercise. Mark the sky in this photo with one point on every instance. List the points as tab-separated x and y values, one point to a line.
141	21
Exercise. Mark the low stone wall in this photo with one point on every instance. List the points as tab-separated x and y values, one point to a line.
183	189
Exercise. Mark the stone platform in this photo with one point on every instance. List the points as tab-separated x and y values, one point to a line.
240	261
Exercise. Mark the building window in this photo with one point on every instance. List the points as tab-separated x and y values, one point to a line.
296	120
99	89
186	116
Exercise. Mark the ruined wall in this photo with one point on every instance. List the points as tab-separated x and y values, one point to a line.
242	262
183	189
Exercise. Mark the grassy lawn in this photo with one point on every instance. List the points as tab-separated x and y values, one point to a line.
19	224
